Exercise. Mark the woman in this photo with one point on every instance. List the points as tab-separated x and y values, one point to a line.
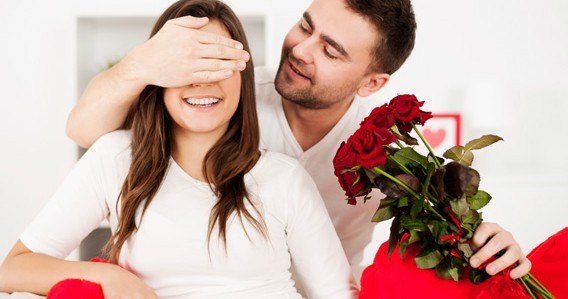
195	209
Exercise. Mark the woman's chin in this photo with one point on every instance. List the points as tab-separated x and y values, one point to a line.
201	128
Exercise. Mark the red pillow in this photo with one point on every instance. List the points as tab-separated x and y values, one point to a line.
395	277
77	288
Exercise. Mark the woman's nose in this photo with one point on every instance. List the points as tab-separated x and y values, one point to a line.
201	84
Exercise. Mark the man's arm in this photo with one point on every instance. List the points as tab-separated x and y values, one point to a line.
178	55
488	240
104	104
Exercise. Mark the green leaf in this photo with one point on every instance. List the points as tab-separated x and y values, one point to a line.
389	188
383	214
459	206
406	138
409	140
402	247
409	180
479	200
442	269
454	153
477	276
416	208
430	171
471	217
387	201
395	235
454	274
429	260
472	185
483	141
403	202
412	224
414	236
437	182
438	228
460	180
409	157
465	249
370	174
460	155
431	159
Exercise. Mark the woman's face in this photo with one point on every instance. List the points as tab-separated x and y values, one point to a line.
205	108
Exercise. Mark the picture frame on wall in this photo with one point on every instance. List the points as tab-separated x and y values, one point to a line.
442	131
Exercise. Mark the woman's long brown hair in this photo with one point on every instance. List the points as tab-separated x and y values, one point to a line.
225	164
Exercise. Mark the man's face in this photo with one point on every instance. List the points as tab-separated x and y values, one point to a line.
325	56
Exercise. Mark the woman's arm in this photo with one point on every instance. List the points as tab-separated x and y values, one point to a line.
40	271
78	207
178	55
24	270
317	254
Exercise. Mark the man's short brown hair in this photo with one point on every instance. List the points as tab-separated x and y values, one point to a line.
395	22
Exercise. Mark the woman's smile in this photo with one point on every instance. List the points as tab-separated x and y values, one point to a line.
202	103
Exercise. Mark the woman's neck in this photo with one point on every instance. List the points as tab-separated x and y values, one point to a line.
190	149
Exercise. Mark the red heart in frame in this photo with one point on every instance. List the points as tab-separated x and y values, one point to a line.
435	138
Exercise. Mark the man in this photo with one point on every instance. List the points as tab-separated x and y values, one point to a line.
339	51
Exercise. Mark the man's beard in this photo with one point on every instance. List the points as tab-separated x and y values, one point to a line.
310	97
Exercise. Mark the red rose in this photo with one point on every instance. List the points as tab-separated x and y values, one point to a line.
346	156
406	108
368	141
345	159
423	116
347	179
380	117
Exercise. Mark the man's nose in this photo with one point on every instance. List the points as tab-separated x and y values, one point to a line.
304	51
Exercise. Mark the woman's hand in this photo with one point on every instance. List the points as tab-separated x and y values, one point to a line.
118	283
488	240
180	54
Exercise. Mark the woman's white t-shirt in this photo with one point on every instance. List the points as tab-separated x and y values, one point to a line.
169	251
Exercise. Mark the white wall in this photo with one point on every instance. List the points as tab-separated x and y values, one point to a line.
35	155
464	49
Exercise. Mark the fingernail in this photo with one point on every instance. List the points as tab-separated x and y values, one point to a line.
241	65
239	46
474	262
246	56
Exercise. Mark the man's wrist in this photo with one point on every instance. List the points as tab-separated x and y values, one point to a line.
130	71
127	77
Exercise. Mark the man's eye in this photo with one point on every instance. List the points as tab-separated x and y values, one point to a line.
303	28
326	52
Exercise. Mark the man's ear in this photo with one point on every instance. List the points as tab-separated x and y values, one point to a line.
373	83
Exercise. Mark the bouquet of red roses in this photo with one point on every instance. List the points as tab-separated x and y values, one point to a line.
434	204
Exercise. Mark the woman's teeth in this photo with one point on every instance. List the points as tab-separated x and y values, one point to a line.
202	102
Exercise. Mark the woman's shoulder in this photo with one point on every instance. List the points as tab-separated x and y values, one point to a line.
274	167
273	161
113	143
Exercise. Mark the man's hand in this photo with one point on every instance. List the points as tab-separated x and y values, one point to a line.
488	240
180	54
